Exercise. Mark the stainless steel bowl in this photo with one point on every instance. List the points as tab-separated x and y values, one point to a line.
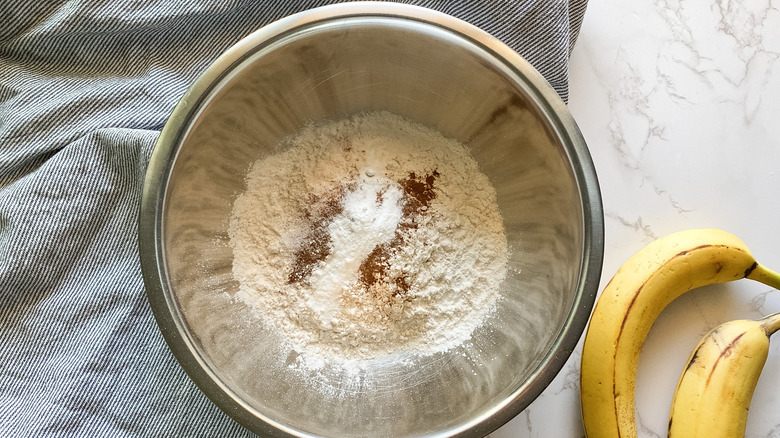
329	63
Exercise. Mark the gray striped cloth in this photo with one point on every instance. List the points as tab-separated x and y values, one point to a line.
85	87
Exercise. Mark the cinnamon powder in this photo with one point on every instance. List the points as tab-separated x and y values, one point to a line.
418	193
315	247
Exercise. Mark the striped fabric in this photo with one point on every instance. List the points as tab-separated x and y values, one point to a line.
85	87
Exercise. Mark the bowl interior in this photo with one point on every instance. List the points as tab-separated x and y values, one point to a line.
436	77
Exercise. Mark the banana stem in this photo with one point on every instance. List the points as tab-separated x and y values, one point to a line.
771	323
765	275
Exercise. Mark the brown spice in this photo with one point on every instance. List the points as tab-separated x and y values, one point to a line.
418	193
316	245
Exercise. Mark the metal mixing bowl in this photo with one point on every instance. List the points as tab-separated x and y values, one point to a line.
326	64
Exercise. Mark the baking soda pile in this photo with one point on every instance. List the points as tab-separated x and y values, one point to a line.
367	236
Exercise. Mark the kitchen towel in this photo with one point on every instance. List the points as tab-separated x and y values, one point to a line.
85	87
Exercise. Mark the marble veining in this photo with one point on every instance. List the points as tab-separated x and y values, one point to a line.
679	102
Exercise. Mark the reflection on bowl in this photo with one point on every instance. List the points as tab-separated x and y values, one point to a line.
328	64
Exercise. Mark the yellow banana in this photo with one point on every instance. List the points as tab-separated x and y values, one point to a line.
633	299
714	391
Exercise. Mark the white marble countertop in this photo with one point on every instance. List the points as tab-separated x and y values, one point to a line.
680	105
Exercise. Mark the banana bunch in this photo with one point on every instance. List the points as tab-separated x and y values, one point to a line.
630	303
714	391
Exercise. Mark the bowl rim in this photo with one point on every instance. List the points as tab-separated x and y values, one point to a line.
150	221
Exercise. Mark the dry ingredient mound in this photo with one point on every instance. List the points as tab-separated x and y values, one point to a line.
367	236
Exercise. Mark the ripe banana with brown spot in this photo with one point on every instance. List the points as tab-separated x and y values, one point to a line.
630	303
715	388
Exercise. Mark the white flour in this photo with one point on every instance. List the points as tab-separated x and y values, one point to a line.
368	236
